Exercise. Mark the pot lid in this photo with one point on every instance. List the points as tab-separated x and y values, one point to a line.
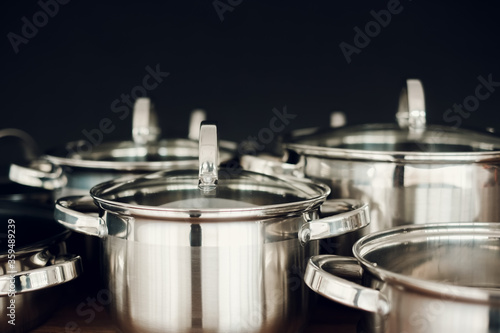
437	257
145	152
209	191
410	139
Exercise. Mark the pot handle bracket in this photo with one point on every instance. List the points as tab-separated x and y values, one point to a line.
79	213
324	282
355	215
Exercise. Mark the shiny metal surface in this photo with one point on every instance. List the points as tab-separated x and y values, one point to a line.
411	111
420	278
209	277
174	262
355	216
415	193
62	269
144	122
410	172
73	168
33	280
208	157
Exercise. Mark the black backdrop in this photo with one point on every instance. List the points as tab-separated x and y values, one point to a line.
239	59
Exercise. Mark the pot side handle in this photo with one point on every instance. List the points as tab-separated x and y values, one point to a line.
79	213
327	284
354	215
275	166
65	268
39	173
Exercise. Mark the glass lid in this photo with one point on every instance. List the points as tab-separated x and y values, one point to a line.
409	139
209	191
145	152
436	256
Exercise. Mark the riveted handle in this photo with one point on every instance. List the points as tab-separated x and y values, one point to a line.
79	213
354	215
324	282
39	173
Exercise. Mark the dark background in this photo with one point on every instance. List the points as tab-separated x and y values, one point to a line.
263	55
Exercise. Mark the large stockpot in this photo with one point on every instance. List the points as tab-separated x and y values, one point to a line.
428	278
409	172
35	268
208	250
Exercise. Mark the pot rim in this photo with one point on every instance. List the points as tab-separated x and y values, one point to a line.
435	288
485	156
56	155
212	214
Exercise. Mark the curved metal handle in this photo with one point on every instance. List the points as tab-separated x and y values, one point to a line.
30	146
271	165
356	215
39	173
64	269
411	111
79	213
144	122
341	290
197	117
209	156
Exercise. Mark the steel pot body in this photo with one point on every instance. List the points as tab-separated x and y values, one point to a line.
409	172
403	192
209	277
35	267
421	278
186	268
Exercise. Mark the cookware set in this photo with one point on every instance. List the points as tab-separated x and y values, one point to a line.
186	243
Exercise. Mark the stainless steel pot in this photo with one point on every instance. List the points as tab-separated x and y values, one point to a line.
208	250
409	172
35	267
421	278
72	169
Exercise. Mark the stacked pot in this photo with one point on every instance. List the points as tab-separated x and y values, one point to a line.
196	247
210	249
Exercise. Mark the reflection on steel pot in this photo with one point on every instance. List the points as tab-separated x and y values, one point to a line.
208	250
409	172
428	278
34	265
74	168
